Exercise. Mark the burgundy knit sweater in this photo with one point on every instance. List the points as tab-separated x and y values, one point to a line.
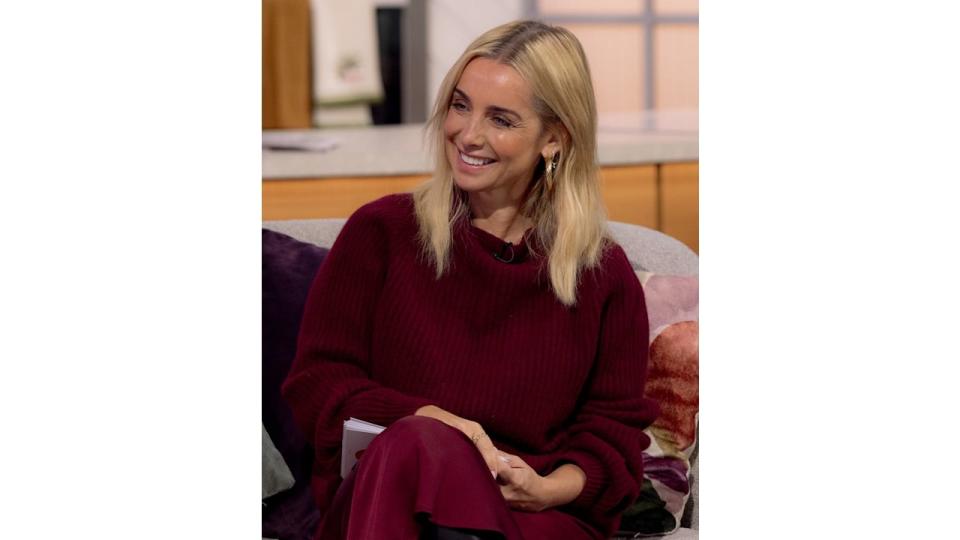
381	337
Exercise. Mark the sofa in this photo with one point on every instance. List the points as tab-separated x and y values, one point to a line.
292	252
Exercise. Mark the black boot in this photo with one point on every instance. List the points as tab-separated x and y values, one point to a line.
436	532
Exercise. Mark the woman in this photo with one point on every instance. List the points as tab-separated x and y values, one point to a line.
487	319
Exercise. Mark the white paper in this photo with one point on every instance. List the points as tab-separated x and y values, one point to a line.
357	435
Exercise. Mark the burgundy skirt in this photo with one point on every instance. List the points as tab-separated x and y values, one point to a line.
420	469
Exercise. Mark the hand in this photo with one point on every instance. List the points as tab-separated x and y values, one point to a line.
472	430
522	487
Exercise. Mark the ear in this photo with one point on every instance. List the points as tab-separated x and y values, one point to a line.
556	138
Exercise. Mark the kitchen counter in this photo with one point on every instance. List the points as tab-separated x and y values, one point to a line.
398	150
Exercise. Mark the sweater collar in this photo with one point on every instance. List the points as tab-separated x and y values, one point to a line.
500	250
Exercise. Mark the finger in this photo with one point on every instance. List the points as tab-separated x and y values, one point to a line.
489	453
481	441
507	475
490	457
515	462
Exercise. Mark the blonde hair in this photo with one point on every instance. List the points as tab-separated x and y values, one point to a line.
568	216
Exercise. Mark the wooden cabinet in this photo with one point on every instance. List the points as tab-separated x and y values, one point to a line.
680	202
285	69
328	197
630	194
663	197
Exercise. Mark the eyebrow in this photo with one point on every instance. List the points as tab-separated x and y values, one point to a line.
492	108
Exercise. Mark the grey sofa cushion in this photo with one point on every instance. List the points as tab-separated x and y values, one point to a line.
321	232
276	474
653	251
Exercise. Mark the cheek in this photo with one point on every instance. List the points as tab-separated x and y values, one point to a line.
450	125
509	145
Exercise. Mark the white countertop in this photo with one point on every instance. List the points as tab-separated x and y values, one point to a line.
661	137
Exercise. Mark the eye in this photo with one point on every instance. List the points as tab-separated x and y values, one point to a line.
458	106
501	121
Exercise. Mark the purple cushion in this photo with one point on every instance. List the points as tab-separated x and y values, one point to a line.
289	267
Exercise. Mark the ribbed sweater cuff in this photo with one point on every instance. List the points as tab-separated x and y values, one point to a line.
596	478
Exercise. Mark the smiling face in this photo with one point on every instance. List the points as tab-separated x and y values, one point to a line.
494	138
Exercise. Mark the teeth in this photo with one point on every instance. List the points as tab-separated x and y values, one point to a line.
474	161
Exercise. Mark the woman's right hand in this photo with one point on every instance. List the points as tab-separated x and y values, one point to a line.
471	429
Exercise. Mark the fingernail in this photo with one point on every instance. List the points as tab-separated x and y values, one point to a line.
494	473
504	459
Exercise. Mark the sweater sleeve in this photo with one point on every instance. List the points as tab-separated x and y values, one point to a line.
329	379
606	437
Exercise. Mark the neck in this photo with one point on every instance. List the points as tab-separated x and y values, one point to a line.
504	222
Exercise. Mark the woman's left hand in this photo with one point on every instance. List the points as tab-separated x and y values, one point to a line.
521	486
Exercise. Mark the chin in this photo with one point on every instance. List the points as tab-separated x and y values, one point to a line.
469	185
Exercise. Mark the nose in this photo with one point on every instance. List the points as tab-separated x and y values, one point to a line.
472	134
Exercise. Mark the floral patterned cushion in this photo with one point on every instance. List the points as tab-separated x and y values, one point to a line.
673	312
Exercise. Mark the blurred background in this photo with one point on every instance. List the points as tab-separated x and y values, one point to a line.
348	84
